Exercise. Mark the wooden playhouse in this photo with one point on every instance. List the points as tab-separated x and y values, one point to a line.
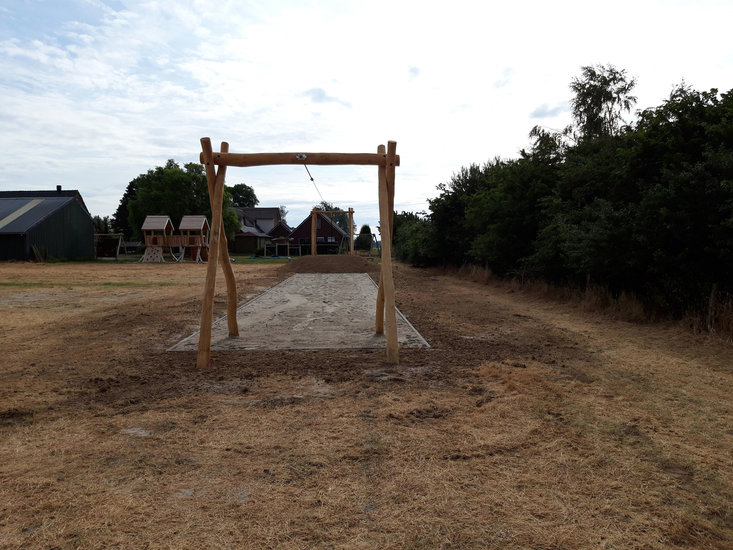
157	231
194	236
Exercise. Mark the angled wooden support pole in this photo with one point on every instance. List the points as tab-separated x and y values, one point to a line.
219	177
217	244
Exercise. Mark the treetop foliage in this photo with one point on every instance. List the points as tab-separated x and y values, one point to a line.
243	195
341	219
602	95
173	191
363	241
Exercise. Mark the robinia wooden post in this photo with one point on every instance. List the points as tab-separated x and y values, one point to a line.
386	317
379	325
215	180
351	231
212	178
314	232
379	316
386	163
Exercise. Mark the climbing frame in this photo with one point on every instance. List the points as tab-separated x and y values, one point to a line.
385	159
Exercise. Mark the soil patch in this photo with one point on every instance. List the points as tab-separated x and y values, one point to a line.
331	263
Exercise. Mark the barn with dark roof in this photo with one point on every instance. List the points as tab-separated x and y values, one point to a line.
45	225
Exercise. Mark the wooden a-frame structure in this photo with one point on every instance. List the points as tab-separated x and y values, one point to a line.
385	159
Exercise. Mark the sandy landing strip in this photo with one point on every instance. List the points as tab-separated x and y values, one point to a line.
309	311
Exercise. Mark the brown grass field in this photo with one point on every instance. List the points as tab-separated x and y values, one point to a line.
529	423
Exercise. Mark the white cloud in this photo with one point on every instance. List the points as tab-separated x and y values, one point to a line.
545	111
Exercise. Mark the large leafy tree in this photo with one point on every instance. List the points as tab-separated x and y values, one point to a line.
173	191
364	240
650	210
453	235
102	225
602	96
121	217
505	214
682	160
243	195
415	240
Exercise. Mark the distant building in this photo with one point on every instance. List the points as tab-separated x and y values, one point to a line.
59	192
263	228
281	230
39	225
255	225
329	236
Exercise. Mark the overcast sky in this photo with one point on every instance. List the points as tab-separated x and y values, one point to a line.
96	92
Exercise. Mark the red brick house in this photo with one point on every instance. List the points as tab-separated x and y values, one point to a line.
281	230
329	236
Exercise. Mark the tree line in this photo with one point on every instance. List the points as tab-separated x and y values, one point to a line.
644	208
177	191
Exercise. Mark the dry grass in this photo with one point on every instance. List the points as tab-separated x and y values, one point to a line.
597	299
723	316
528	424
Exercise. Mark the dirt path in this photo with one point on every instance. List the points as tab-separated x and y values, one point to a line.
526	424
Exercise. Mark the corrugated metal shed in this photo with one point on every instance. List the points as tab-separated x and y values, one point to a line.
43	194
56	227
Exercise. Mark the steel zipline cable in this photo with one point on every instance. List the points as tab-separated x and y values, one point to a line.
303	156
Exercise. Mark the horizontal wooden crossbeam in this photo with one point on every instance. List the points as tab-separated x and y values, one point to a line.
333	211
268	159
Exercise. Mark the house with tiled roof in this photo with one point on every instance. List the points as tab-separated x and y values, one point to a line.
255	225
